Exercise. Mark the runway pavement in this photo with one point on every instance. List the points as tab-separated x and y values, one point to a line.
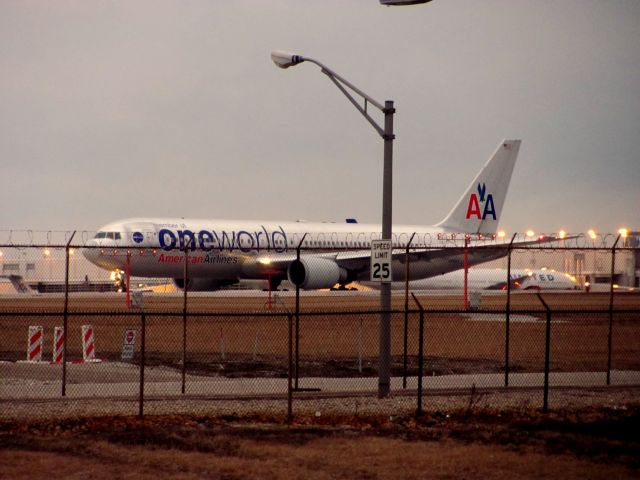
253	300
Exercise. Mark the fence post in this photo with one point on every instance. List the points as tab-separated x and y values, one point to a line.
419	410
66	316
143	330
547	348
127	276
184	313
406	313
466	272
360	345
290	372
610	336
507	325
298	315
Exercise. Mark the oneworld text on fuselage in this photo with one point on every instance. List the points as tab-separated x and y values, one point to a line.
207	240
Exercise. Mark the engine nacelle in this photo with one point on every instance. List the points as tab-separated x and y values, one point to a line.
313	272
202	284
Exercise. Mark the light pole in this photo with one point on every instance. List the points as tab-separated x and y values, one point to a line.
286	60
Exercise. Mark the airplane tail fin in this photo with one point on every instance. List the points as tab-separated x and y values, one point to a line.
479	209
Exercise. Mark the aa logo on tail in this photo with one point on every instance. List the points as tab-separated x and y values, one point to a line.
474	210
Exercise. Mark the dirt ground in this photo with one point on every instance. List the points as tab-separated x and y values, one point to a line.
600	442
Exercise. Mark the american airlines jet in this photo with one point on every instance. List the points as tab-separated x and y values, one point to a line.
224	252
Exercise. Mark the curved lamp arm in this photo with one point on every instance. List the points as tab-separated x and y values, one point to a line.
285	60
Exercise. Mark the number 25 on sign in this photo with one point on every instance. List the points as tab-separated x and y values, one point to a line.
381	261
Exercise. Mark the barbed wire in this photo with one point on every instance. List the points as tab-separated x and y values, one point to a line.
332	241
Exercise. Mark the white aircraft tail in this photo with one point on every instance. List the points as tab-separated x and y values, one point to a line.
479	209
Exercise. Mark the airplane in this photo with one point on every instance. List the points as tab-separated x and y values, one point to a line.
223	252
491	279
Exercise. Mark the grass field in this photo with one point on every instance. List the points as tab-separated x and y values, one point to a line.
457	342
595	443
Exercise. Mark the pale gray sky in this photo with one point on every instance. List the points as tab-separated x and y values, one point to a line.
114	109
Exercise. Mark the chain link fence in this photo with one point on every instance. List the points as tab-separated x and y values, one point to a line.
87	341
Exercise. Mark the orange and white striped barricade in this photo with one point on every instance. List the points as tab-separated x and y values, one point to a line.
58	344
34	343
88	344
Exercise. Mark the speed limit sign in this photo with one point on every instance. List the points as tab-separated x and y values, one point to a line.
381	261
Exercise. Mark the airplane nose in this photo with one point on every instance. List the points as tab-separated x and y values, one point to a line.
102	255
91	250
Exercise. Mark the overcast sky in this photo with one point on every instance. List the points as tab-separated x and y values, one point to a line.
116	109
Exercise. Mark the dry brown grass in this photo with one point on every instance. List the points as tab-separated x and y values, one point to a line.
579	341
583	444
320	459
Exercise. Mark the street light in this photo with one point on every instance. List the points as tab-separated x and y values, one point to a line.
286	60
402	3
47	256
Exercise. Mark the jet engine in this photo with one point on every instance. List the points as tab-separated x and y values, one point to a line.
313	272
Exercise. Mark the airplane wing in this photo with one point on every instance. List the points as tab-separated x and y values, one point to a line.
354	265
428	262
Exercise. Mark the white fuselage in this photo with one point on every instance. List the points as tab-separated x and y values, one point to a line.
220	249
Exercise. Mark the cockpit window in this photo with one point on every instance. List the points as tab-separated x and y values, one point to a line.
109	235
